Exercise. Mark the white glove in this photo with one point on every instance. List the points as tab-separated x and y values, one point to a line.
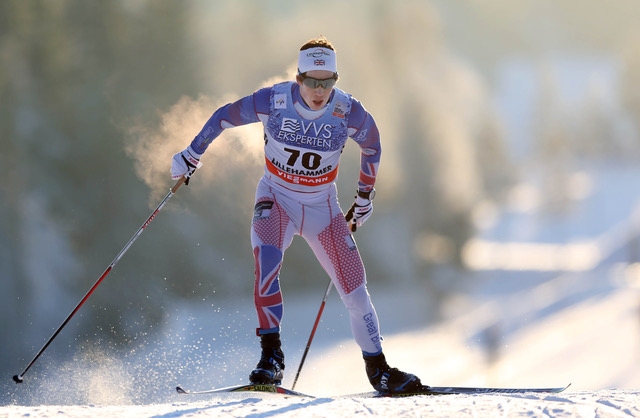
184	164
359	212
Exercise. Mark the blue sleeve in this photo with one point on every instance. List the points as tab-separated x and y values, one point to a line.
240	112
366	134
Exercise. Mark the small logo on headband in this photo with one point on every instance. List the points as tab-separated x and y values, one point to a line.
318	62
317	53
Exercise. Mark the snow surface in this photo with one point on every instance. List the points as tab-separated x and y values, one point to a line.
609	403
556	350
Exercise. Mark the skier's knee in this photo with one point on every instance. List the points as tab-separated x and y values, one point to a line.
357	300
267	259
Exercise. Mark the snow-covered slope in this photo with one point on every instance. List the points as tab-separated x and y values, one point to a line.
606	403
593	345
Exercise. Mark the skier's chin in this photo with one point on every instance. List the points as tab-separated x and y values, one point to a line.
317	104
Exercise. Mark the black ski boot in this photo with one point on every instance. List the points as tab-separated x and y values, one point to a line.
271	364
385	379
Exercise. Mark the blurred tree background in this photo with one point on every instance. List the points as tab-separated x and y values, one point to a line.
97	95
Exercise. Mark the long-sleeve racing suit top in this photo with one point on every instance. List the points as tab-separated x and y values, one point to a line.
302	146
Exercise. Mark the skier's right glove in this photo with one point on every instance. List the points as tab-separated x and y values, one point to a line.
184	164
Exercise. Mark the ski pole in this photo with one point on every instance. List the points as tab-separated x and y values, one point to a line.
172	191
313	332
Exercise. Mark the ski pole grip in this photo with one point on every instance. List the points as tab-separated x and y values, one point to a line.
179	183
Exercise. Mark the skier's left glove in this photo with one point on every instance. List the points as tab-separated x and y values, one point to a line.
360	210
184	164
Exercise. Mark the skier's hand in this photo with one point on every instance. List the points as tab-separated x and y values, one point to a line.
184	164
359	212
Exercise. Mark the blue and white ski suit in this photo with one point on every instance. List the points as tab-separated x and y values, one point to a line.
297	194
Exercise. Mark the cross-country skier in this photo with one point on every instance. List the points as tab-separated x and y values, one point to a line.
306	125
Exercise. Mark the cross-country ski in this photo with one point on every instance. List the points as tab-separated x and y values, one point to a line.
425	390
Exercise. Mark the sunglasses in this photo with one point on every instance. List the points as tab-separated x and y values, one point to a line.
314	83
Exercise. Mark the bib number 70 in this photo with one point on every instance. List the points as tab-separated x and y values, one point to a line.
309	160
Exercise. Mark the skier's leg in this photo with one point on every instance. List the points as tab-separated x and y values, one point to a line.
337	252
271	234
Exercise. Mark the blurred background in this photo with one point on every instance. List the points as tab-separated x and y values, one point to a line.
511	139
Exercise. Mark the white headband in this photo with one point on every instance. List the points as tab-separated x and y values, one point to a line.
317	59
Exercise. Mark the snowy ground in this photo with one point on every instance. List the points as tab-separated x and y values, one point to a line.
607	403
559	349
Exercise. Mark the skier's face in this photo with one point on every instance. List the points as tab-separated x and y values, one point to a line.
316	87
